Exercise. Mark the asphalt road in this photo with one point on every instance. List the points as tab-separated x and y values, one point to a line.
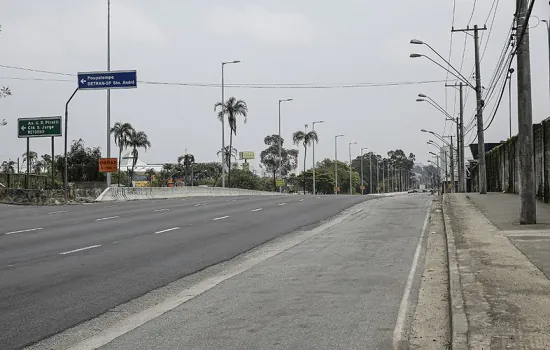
62	265
352	286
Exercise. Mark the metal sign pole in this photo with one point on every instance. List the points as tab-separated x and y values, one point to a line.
53	163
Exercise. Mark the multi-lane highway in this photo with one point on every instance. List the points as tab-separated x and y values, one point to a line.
62	265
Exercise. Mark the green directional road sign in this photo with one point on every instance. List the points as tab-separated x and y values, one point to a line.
39	127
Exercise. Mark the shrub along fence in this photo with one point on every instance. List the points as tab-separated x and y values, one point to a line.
17	180
503	164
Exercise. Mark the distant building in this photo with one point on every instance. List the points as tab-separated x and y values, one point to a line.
141	166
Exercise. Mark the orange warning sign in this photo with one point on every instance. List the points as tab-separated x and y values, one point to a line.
108	165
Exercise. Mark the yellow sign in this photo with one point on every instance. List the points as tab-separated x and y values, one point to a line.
108	165
362	188
280	182
246	155
142	184
336	189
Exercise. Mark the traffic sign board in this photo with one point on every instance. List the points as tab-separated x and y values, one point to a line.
362	188
280	182
108	165
39	127
107	80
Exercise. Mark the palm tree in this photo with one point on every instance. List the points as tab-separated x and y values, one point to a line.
136	140
8	166
122	132
150	173
306	138
188	161
33	156
232	109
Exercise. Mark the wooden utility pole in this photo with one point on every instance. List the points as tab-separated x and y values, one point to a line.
528	208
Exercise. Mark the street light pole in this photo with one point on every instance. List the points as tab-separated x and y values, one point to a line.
223	121
548	28
336	162
350	177
281	144
313	128
370	172
362	180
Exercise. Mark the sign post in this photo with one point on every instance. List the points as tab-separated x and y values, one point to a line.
39	127
108	80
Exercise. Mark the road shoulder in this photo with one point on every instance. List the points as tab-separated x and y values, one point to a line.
506	300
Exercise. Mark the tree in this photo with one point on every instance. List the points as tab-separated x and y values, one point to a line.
306	138
230	152
206	173
137	140
82	163
121	132
188	162
8	166
271	160
233	108
150	174
33	157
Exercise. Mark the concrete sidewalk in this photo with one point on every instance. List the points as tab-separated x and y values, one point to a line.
503	270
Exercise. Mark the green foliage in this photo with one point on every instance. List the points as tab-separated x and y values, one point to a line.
82	163
271	160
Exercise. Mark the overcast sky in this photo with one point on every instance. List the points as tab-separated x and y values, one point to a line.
279	42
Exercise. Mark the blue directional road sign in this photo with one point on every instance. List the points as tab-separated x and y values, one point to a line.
107	80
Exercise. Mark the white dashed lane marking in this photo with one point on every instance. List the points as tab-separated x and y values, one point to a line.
167	230
107	218
81	249
21	231
259	209
221	218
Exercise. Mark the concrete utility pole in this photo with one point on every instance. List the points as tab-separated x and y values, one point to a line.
377	176
383	177
479	98
528	208
460	140
548	28
362	180
510	72
336	162
370	172
451	159
350	170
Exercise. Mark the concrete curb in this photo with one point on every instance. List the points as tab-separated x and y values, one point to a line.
459	322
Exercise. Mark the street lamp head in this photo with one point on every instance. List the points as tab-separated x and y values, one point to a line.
423	130
353	143
415	55
340	135
318	122
420	100
417	42
236	62
287	100
433	153
422	95
3	122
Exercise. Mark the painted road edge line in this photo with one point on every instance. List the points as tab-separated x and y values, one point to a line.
107	218
253	258
259	209
21	231
80	249
167	230
221	218
399	330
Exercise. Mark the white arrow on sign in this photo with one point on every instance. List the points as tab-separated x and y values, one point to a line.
23	128
83	81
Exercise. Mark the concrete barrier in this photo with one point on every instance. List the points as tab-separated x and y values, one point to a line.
141	193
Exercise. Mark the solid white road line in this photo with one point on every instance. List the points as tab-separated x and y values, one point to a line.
221	218
80	249
259	209
281	204
107	218
21	231
399	330
58	212
167	230
159	210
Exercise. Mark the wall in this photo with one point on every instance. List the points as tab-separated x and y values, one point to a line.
503	164
137	193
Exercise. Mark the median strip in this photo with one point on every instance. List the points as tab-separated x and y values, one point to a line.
21	231
221	218
80	249
107	218
167	230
